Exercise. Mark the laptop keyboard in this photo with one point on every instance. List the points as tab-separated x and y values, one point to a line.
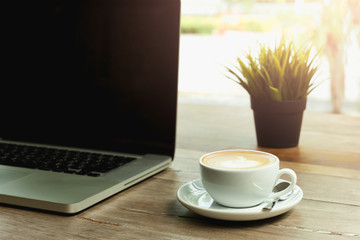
60	160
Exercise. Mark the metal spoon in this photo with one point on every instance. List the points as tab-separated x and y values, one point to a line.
279	187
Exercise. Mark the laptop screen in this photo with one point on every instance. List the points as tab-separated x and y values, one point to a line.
99	74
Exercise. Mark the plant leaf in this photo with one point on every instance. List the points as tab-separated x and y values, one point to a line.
276	95
284	73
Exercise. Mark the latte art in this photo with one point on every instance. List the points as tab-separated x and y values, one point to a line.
237	160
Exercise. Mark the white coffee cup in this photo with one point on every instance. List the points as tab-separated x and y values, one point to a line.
242	178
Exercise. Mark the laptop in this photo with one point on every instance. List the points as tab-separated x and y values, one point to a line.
88	99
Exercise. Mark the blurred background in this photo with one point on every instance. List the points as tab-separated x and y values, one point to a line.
215	32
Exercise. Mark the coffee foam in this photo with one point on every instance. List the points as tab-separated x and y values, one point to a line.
237	160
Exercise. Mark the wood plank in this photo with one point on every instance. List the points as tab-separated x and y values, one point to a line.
323	188
327	163
149	199
318	183
120	221
323	170
209	128
150	209
186	162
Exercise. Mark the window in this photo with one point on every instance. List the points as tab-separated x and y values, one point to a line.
215	32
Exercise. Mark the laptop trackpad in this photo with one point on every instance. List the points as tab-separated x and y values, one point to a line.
7	175
56	187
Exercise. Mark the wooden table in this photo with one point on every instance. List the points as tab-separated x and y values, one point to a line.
327	163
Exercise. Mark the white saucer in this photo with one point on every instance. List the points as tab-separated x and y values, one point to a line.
194	197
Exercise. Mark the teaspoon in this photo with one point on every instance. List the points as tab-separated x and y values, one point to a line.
279	187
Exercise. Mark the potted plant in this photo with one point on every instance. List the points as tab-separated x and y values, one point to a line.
278	81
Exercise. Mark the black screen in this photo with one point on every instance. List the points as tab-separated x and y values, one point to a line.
98	74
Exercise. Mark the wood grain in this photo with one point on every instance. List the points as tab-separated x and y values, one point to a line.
327	162
326	139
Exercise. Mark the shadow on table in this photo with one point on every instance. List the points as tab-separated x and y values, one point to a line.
182	213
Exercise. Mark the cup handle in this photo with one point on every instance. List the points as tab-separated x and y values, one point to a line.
287	190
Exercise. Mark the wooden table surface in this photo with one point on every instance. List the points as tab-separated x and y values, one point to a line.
327	162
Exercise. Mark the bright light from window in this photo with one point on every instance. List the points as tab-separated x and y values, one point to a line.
215	32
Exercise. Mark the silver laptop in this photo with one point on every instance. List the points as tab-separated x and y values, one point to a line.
88	99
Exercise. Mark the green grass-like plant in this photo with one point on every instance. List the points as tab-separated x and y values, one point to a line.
197	24
284	73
